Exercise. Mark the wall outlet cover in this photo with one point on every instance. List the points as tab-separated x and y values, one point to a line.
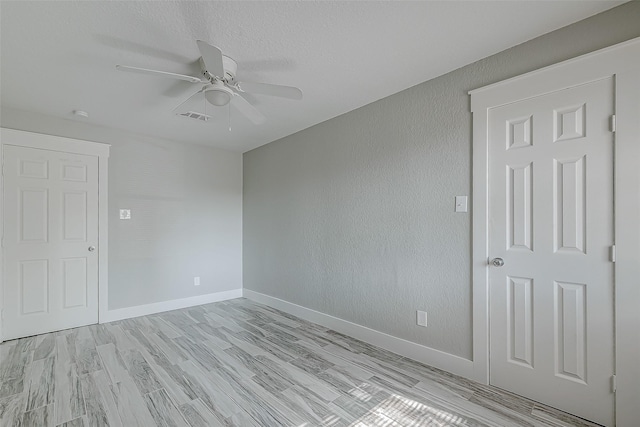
125	213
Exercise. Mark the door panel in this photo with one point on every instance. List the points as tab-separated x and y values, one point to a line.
50	221
551	220
74	282
519	202
520	333
34	286
74	216
33	215
571	349
569	204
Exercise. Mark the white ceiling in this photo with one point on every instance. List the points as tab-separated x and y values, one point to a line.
60	56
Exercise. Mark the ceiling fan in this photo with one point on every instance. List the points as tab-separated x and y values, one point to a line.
220	86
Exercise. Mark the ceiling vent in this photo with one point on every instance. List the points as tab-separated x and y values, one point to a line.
194	115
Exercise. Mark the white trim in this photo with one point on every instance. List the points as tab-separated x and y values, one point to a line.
599	64
627	240
76	146
103	237
54	143
436	358
480	248
159	307
1	235
622	62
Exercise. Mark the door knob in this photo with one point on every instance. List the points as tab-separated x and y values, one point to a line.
497	262
92	248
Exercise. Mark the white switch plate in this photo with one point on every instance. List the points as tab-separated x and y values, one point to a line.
421	318
125	213
196	281
461	203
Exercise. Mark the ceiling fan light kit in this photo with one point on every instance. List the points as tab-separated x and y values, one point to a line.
218	94
219	84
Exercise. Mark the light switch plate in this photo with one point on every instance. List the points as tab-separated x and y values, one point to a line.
125	213
461	203
421	318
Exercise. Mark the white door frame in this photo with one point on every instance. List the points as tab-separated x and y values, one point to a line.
76	146
622	63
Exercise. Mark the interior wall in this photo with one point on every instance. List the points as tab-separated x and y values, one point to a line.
186	212
354	217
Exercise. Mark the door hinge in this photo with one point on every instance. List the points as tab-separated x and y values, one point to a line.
612	123
612	253
614	385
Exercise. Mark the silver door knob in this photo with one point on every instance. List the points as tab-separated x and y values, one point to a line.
92	248
497	262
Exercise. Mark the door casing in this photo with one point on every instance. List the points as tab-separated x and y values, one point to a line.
68	145
622	63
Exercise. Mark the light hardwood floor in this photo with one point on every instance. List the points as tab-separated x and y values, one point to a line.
238	363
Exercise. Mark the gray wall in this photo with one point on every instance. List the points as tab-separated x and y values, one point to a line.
186	203
354	217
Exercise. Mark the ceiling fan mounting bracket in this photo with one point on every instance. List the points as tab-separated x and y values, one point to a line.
230	69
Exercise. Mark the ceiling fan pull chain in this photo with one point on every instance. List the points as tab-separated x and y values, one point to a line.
229	117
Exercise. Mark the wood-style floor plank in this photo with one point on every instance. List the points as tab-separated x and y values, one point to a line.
94	405
41	383
68	397
41	417
239	363
11	410
163	410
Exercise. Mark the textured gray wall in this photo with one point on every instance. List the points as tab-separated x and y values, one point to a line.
354	217
186	207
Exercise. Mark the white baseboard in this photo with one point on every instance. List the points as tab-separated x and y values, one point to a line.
158	307
436	358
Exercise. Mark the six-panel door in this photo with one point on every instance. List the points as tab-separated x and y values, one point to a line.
50	241
551	220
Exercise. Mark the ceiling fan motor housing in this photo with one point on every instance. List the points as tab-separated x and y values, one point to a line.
230	69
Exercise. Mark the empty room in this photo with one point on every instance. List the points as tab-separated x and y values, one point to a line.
320	213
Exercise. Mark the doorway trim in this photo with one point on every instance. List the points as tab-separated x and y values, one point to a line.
56	143
622	63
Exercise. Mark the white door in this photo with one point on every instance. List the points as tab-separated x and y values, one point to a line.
50	241
551	222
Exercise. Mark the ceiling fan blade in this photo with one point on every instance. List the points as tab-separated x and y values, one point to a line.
248	110
128	69
185	101
269	89
212	57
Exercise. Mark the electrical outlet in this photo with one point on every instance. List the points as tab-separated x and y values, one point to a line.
125	213
421	318
196	281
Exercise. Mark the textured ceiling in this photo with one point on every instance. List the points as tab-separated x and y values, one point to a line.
59	56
